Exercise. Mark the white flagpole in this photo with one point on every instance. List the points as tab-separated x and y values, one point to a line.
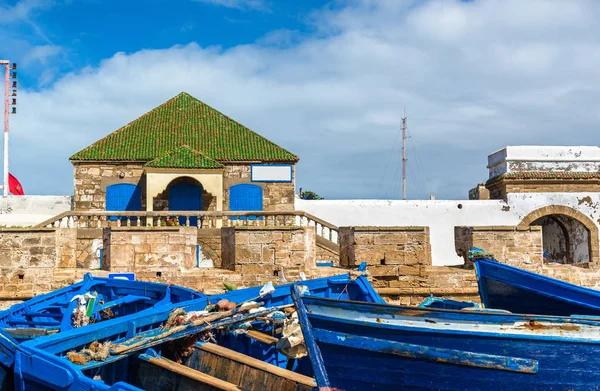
6	114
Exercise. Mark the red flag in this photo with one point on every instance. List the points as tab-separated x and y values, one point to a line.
14	185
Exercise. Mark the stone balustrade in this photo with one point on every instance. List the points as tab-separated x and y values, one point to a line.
208	220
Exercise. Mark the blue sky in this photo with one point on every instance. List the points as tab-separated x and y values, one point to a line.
328	80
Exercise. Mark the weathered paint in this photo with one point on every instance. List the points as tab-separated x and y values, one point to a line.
544	158
428	353
369	367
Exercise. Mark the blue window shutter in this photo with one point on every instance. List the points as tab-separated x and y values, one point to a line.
123	197
246	197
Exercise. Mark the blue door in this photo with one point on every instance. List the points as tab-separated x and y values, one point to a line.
185	196
123	197
245	197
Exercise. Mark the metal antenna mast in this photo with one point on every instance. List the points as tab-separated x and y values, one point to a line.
404	158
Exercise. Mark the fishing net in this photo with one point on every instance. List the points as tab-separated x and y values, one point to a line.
96	351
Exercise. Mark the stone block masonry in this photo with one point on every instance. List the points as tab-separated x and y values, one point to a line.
150	249
517	246
31	261
271	251
384	248
91	180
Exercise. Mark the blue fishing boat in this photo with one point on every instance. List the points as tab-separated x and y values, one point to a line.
509	288
363	346
230	341
92	300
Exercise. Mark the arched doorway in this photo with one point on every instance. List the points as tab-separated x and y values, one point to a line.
568	235
185	194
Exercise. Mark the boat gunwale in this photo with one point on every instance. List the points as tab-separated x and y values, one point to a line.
374	324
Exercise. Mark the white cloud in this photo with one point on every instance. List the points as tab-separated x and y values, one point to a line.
240	4
22	10
41	53
472	76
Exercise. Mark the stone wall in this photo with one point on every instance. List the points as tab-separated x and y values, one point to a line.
91	180
514	245
31	259
89	244
268	252
159	250
210	242
37	261
384	247
277	196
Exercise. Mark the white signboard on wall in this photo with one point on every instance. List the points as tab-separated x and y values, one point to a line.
271	172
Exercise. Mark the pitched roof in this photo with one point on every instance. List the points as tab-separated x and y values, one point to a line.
184	120
545	175
184	157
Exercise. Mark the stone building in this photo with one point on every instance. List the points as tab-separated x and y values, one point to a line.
184	155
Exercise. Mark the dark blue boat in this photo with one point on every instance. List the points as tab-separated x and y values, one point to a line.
92	300
509	288
185	348
363	346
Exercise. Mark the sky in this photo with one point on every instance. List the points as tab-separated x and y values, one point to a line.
327	80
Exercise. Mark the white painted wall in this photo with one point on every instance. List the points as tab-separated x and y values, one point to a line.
31	210
442	216
544	158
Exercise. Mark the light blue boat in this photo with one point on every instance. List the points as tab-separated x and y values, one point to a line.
92	300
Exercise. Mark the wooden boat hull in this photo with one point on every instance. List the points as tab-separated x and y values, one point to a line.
509	288
378	347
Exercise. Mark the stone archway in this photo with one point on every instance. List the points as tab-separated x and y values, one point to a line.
558	214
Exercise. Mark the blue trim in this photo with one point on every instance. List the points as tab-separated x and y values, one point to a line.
271	165
324	264
197	255
119	276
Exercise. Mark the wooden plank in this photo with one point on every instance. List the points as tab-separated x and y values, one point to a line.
141	341
252	362
262	337
192	373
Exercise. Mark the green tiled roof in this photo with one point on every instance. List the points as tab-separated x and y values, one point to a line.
184	120
540	175
184	157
